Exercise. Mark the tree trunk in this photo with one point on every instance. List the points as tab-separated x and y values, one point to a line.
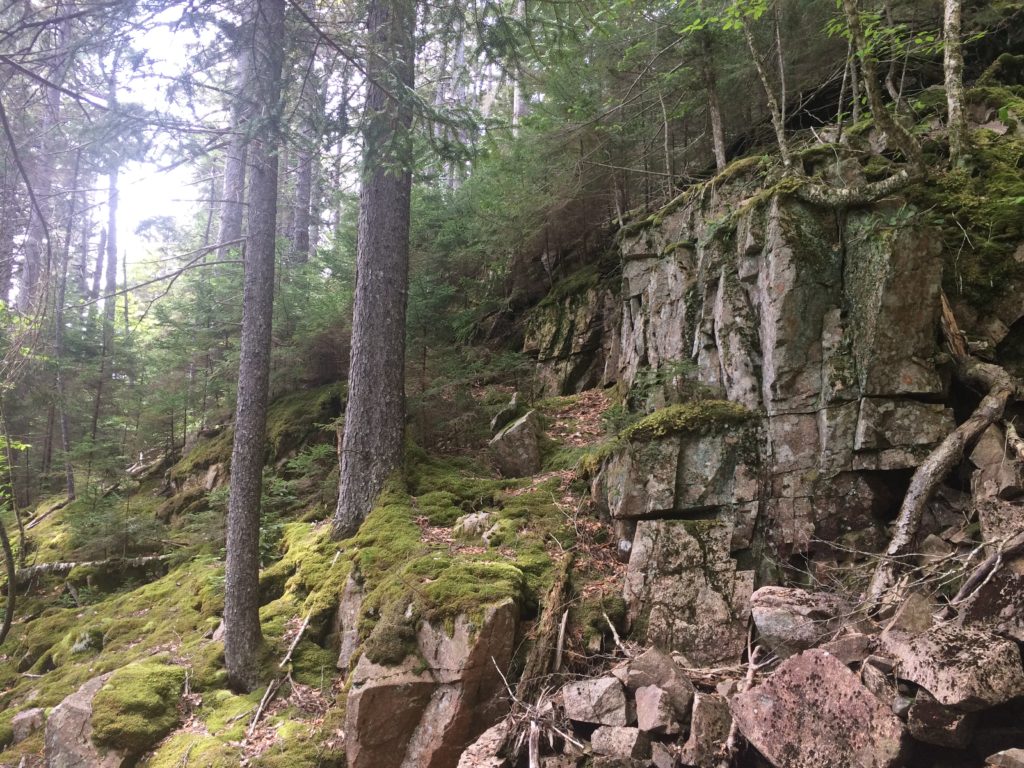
58	341
954	69
232	203
707	69
778	120
242	638
899	135
109	300
374	419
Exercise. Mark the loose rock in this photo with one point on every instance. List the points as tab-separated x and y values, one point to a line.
791	620
964	668
618	741
516	449
814	712
601	701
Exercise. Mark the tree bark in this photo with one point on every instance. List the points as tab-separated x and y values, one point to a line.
243	637
778	121
954	71
374	419
232	203
707	69
109	300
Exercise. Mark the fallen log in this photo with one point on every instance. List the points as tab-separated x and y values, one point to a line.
26	575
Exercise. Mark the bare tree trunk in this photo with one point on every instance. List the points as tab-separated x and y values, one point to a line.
375	416
12	583
899	135
109	300
707	70
778	120
58	341
243	637
954	69
232	203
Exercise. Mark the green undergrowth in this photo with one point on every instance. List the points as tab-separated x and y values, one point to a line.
979	212
405	578
293	420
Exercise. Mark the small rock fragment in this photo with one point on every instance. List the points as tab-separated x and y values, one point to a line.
933	723
709	730
655	667
24	724
1008	758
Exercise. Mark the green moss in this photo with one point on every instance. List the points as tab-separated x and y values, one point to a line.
312	664
6	732
194	750
292	420
137	706
979	213
226	715
301	745
576	284
1007	69
699	416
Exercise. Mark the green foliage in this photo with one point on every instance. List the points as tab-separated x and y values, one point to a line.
103	524
137	706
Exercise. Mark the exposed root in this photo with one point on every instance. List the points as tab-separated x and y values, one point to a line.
999	387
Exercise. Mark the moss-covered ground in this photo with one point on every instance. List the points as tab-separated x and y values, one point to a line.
155	632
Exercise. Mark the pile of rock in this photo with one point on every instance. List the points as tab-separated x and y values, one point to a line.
830	689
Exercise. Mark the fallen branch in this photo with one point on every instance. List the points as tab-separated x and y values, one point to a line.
1013	439
988	568
59	505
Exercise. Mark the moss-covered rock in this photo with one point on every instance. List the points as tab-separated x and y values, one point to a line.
193	749
137	706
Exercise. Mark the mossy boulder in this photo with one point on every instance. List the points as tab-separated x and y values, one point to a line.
137	706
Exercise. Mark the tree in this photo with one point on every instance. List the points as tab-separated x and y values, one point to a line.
954	71
260	114
375	416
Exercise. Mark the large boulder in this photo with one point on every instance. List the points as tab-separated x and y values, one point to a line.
814	712
68	737
683	590
965	668
791	620
25	723
515	450
427	710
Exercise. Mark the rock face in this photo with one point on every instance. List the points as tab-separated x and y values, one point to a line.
516	448
813	711
69	731
570	337
967	669
426	711
684	592
346	621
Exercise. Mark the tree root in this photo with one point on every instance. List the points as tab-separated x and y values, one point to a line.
999	387
25	575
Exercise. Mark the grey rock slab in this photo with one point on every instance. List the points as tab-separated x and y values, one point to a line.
790	620
601	701
515	450
813	711
655	712
68	737
710	723
620	741
24	724
966	668
934	723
